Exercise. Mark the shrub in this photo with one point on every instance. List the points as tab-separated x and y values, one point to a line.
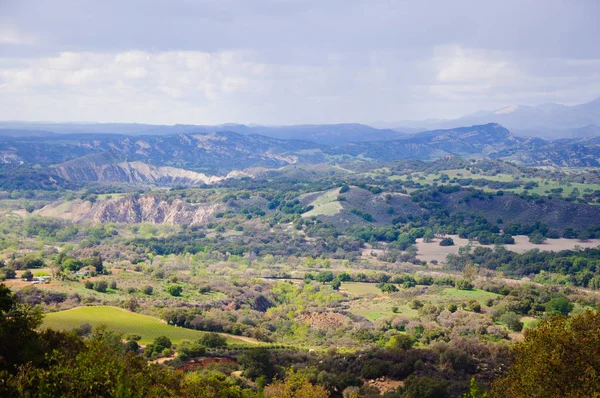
463	284
148	290
512	321
113	285
100	286
213	340
174	290
559	306
447	242
27	275
162	341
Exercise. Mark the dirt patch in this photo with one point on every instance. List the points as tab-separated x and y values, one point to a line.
384	384
429	251
324	320
203	363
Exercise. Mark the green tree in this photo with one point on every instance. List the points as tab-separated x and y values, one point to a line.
163	341
256	362
101	286
559	306
335	285
174	290
558	358
400	341
27	275
148	290
325	276
18	322
213	340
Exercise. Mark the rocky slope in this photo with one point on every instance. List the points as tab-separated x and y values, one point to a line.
133	209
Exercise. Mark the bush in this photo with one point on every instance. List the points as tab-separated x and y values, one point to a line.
512	321
113	285
463	284
213	340
400	341
10	273
162	341
101	286
447	242
174	290
27	275
89	285
559	306
425	387
148	290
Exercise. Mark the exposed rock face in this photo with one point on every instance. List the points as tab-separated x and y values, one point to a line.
134	209
132	172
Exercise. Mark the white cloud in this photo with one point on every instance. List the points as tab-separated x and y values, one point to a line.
11	36
243	86
456	64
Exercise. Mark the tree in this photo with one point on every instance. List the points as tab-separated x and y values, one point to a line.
325	276
388	288
9	273
428	236
163	341
17	331
256	362
147	290
174	290
512	321
537	238
27	275
400	342
101	286
463	284
559	358
213	340
335	285
295	385
559	306
425	387
447	242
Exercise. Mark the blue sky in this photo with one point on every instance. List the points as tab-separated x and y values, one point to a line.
291	61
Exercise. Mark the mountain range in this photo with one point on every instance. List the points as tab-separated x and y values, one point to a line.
44	160
547	120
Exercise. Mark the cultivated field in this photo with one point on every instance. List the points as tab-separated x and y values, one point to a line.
122	321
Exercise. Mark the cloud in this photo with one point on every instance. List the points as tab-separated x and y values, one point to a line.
11	36
456	64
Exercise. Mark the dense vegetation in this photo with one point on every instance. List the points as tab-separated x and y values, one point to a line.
408	279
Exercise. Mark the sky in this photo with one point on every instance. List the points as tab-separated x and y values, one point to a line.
291	61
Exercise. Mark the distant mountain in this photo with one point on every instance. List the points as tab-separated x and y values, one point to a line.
326	134
206	158
546	120
213	154
465	141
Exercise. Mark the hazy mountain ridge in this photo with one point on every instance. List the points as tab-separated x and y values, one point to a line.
327	134
546	120
195	159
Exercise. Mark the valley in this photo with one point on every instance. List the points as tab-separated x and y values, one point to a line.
372	264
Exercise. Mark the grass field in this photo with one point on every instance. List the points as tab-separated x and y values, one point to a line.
360	288
121	321
325	204
381	306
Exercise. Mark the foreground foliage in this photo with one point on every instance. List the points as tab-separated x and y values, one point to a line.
559	358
